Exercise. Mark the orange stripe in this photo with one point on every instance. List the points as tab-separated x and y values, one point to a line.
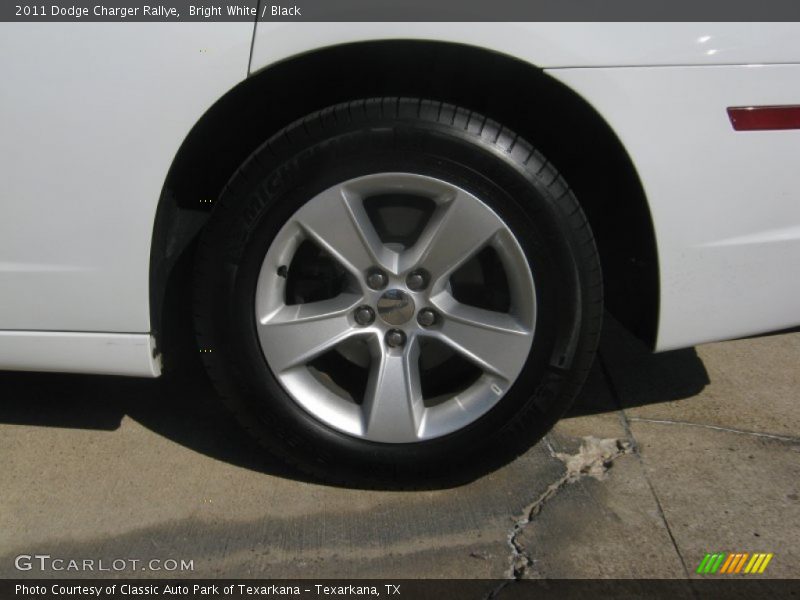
727	562
741	562
734	563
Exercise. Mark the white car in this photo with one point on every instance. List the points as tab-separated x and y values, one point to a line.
395	240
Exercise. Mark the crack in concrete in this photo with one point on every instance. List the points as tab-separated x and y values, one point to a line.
593	459
662	515
770	436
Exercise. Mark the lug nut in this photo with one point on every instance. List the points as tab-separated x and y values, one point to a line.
417	280
377	280
395	338
364	315
426	317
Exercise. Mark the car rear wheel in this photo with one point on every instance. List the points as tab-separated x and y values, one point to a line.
394	288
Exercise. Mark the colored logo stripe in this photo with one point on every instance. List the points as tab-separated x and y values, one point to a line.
734	563
731	558
758	563
711	563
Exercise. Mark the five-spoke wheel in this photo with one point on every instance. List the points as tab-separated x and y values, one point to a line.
398	302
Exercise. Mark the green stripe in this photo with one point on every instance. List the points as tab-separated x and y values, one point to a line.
710	565
701	568
718	564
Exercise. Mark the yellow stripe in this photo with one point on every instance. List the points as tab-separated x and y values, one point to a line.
727	562
761	558
753	560
766	562
741	562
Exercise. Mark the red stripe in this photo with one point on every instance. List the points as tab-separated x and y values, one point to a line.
760	118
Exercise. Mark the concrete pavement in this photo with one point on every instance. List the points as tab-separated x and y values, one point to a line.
663	459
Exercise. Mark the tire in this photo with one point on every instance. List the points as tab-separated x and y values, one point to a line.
301	411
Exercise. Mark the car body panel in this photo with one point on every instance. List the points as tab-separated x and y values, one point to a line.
725	204
126	354
555	45
92	117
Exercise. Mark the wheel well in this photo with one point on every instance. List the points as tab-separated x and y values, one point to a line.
524	98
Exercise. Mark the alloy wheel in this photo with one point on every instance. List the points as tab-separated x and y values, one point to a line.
395	307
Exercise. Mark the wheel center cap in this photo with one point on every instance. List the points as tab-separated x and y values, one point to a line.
395	307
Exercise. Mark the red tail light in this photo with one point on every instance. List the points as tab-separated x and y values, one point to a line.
755	118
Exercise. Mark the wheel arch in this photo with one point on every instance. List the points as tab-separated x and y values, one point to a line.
513	92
